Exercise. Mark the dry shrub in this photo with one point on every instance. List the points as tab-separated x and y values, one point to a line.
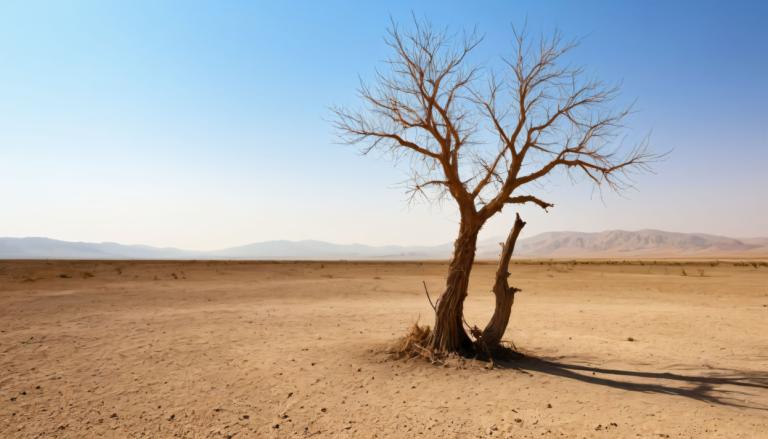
414	343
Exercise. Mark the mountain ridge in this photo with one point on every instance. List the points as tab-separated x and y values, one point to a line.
645	243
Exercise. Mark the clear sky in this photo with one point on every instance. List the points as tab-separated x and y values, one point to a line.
205	124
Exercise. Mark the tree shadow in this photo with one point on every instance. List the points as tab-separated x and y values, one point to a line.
720	386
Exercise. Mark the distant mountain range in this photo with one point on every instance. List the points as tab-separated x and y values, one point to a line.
609	244
642	243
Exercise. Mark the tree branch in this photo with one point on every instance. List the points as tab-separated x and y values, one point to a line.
522	199
543	116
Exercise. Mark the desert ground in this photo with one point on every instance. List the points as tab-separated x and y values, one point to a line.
203	349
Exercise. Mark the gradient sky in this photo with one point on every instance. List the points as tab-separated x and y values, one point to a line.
205	124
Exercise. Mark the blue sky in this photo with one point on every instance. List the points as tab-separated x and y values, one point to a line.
205	124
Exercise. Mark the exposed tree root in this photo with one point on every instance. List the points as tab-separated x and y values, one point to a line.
415	345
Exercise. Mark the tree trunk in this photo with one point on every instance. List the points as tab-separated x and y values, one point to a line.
505	295
449	334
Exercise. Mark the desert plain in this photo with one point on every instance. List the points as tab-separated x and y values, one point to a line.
231	349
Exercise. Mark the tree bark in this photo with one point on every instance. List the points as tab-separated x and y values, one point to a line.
449	334
505	295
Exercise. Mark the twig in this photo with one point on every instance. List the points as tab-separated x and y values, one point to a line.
429	298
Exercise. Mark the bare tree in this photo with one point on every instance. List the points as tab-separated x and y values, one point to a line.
482	139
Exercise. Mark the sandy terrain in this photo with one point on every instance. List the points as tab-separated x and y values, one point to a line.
218	349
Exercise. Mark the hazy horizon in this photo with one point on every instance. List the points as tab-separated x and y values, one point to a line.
206	126
487	237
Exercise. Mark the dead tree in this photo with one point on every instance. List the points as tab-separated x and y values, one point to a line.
482	138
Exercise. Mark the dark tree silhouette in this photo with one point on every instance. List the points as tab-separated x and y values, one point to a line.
435	107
